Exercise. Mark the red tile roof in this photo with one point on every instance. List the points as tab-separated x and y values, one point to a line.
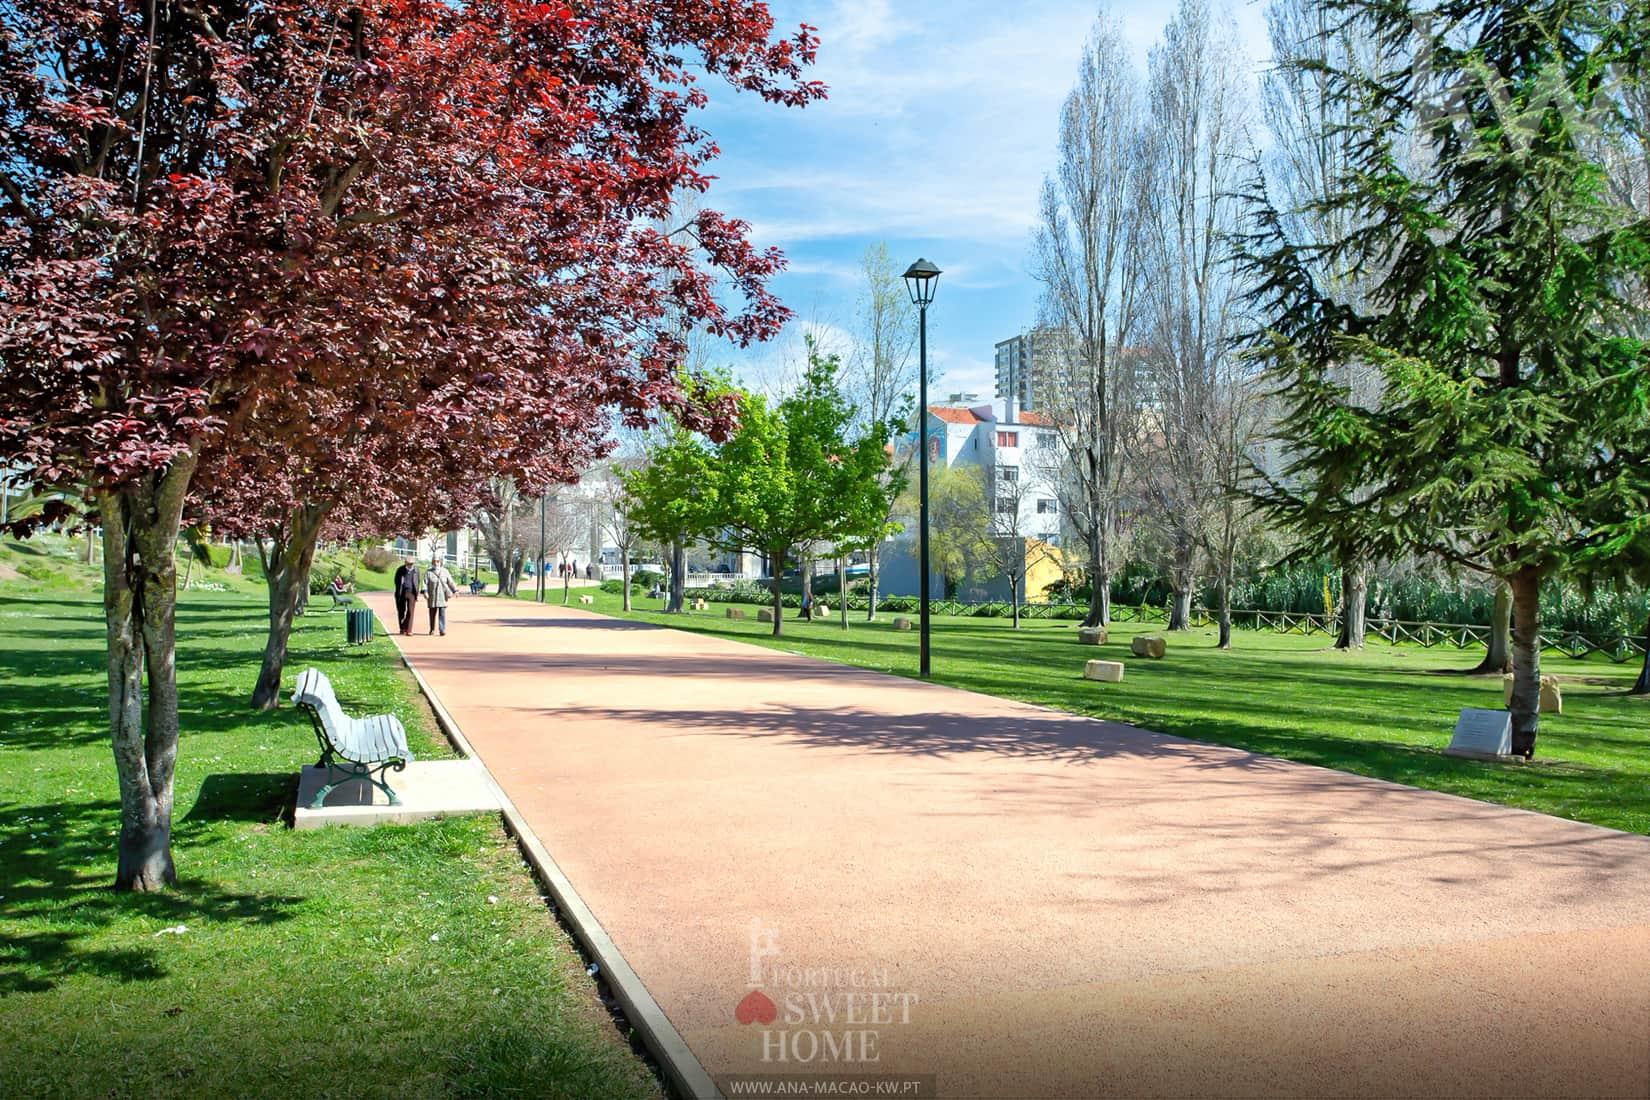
1036	420
953	416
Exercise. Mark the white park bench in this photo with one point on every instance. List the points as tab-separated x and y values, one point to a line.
351	748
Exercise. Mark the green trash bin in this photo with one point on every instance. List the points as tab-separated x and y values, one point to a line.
357	626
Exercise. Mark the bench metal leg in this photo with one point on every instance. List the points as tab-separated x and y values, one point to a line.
372	776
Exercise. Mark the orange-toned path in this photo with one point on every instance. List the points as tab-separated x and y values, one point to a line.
1016	902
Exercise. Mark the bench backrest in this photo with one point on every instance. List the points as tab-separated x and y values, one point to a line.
314	690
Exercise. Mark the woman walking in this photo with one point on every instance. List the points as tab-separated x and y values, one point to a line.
438	587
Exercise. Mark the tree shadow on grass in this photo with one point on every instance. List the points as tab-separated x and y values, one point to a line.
56	865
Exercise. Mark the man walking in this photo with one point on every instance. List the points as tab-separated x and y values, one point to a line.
407	583
438	587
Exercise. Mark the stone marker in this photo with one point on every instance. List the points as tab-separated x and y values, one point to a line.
1110	672
1091	635
764	616
1148	645
736	613
902	623
1482	735
823	608
1552	698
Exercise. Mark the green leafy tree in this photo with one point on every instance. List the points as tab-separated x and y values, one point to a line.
671	499
1511	435
794	473
959	524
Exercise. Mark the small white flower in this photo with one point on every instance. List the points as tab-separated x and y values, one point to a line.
175	930
435	936
492	899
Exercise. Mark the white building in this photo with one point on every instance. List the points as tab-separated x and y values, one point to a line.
1022	451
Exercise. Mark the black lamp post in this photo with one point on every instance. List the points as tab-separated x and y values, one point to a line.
921	278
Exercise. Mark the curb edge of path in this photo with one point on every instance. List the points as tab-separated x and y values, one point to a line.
681	1066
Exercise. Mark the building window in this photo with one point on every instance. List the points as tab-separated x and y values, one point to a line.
1005	507
1008	439
1008	474
1045	440
1046	507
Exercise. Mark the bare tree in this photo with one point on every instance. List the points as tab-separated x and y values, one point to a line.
882	372
503	522
1311	144
615	519
1007	547
1087	256
1196	125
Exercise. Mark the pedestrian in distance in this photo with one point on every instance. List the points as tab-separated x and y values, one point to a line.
438	589
407	583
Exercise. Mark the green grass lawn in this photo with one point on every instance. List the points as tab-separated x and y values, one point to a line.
396	961
1385	712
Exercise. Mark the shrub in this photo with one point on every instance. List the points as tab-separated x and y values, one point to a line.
646	578
378	559
615	587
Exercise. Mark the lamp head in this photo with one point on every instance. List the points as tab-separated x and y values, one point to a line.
921	279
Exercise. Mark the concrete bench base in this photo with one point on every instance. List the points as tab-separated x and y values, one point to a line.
1492	757
428	788
1091	635
736	613
1110	672
902	624
764	616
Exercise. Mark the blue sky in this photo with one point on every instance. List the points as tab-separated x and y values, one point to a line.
937	134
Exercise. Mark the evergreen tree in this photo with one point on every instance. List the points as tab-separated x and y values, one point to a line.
1512	432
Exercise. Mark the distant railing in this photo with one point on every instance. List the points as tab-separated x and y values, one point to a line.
1619	648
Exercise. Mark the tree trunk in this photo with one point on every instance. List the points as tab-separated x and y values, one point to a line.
1014	597
842	587
1526	646
871	576
1354	598
566	585
773	587
1180	584
624	570
286	574
140	530
1224	593
1099	602
678	575
1498	650
806	571
1641	686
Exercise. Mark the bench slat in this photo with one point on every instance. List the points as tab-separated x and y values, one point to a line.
370	740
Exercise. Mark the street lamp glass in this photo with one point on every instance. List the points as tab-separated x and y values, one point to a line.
921	279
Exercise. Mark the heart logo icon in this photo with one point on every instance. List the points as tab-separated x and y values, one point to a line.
755	1009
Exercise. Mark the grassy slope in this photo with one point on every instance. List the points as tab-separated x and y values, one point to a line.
1384	712
367	961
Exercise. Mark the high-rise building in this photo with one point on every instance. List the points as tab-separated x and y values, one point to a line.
1022	368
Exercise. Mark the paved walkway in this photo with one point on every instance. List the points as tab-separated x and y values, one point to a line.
1044	905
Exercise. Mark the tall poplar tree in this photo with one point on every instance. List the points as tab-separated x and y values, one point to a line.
1512	432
